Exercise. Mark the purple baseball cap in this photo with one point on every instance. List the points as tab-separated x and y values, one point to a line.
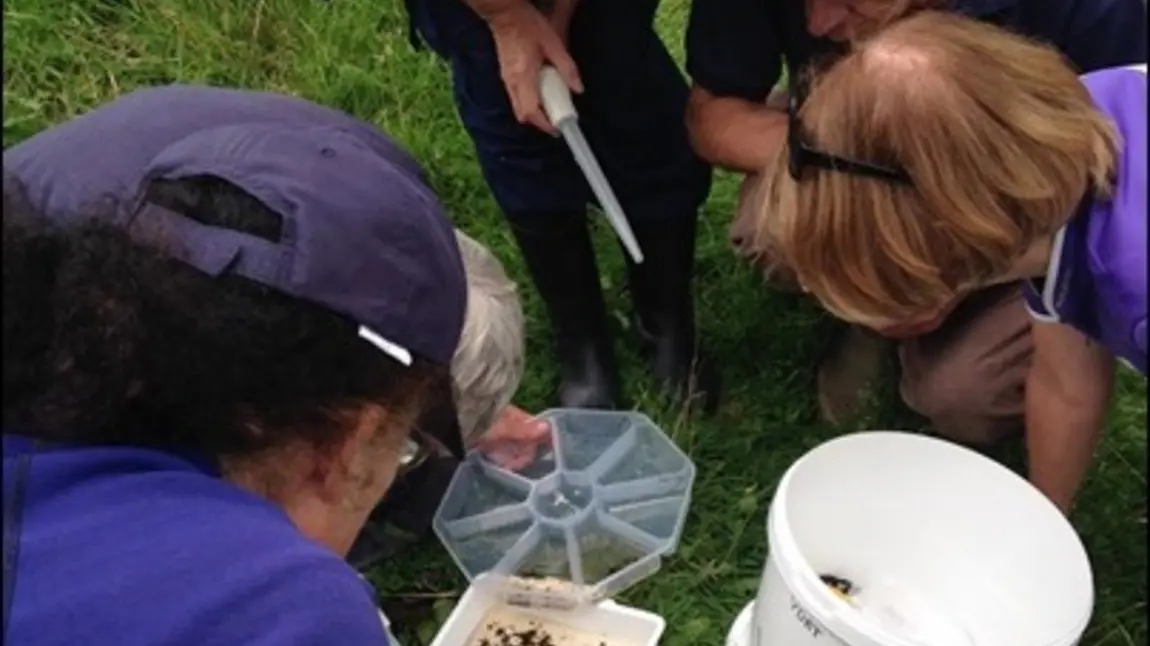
362	236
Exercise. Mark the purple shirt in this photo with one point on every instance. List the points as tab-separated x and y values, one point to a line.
122	546
1096	280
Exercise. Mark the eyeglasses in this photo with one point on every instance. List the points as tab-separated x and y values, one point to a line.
803	156
414	453
444	439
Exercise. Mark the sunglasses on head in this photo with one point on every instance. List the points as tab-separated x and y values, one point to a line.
803	156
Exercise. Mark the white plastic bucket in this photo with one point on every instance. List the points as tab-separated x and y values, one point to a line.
959	549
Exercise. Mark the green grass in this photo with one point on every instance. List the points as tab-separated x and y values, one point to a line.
61	58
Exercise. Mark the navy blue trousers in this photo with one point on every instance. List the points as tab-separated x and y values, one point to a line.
631	112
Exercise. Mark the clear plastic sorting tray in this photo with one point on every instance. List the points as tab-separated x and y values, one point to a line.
592	516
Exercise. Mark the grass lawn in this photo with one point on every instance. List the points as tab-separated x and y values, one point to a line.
61	58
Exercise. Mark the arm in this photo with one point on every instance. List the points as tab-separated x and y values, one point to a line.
734	58
1068	393
525	41
733	133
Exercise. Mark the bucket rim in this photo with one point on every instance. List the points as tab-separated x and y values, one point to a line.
803	581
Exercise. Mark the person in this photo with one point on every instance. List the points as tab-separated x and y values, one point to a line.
489	362
207	384
956	155
486	370
966	370
110	152
630	96
68	168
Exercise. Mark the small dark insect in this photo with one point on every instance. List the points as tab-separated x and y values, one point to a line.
531	636
842	586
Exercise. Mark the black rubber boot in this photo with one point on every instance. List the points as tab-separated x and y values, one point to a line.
559	256
662	292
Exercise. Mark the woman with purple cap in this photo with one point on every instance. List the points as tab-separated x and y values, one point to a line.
224	314
943	155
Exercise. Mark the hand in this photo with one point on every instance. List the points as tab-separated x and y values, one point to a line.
525	40
515	439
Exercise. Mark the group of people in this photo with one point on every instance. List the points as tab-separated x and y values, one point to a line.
233	319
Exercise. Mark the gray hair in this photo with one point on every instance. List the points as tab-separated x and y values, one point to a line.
489	362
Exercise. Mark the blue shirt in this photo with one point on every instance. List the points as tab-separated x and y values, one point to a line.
736	48
1096	279
134	547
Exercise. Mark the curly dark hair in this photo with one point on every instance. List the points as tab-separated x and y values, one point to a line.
108	340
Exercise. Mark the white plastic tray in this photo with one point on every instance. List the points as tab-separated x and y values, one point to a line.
391	640
631	626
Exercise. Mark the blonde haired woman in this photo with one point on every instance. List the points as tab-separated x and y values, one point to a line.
944	156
